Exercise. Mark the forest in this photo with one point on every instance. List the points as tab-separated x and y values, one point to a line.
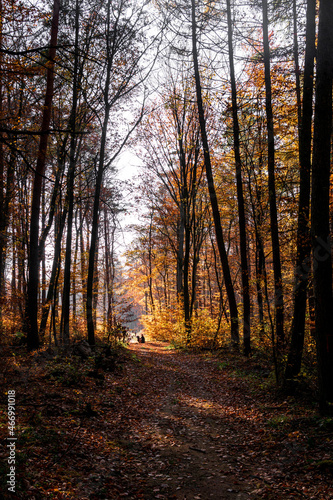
165	169
227	109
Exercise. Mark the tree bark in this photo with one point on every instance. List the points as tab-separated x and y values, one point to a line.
320	232
65	314
98	185
32	299
211	187
240	197
278	290
303	255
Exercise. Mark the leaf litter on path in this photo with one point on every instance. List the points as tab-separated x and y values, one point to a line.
169	425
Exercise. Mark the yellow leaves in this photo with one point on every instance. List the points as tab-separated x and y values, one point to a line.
295	435
209	6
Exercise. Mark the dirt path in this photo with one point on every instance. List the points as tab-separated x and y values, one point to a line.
191	429
200	432
162	424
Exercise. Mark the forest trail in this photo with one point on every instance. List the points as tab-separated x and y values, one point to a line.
207	436
190	420
161	423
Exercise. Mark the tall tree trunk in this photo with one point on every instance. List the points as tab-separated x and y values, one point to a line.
83	275
109	269
321	246
184	226
96	282
99	180
150	264
94	230
186	295
259	279
180	252
197	229
32	299
65	315
278	290
59	229
303	255
6	188
2	194
240	196
211	187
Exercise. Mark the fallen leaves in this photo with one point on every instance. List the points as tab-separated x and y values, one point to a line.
170	426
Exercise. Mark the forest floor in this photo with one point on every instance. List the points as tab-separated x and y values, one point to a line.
161	424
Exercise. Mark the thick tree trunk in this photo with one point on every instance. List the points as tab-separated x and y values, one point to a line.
211	188
278	290
321	246
303	256
32	299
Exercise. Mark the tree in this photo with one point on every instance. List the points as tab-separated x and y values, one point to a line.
240	196
70	183
279	301
303	251
210	183
171	139
123	52
32	307
320	217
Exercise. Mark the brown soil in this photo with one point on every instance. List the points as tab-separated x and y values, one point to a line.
168	425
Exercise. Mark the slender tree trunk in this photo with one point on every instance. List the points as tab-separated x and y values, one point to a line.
74	274
211	187
65	315
109	271
42	255
278	290
240	197
303	255
184	226
187	316
311	306
259	277
2	213
54	273
321	246
219	282
257	212
82	253
150	264
32	299
197	230
94	229
21	245
296	62
96	282
98	186
180	252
